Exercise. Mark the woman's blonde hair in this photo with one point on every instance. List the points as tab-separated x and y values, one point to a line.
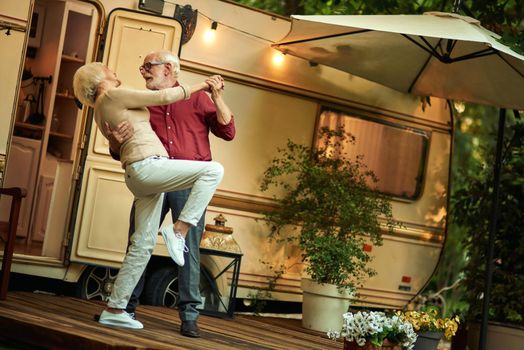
86	81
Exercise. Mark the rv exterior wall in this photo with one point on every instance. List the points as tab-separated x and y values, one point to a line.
271	103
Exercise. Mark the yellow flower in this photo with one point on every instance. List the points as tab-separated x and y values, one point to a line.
429	321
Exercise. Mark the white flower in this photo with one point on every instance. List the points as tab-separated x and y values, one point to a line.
359	327
333	334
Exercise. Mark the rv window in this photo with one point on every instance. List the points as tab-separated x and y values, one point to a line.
395	153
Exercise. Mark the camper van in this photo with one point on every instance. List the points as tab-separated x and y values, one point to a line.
74	218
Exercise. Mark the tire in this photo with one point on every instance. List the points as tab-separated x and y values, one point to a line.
96	283
162	288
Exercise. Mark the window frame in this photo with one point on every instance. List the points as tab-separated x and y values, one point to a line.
389	121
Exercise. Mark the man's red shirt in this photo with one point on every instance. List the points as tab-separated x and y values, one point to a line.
183	127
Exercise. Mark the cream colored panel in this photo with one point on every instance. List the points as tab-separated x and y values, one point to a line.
15	9
105	221
131	37
11	47
398	258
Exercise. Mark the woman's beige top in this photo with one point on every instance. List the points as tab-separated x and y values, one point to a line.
119	104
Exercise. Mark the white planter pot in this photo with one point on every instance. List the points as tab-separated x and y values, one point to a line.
499	337
323	306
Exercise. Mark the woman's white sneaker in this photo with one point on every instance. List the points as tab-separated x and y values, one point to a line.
175	243
123	320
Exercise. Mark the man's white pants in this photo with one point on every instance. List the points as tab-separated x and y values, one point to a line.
148	179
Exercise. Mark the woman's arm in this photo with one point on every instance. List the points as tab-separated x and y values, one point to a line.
132	98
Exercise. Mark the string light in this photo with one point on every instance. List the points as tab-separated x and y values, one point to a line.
278	58
225	25
233	28
209	35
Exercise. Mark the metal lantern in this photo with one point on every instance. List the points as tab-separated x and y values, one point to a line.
219	237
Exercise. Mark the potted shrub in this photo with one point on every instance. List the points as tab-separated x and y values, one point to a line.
375	330
330	202
471	210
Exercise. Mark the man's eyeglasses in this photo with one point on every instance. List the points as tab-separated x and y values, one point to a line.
147	66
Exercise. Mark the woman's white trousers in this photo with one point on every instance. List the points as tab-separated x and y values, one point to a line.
148	179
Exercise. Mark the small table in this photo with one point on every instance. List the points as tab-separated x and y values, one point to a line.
236	259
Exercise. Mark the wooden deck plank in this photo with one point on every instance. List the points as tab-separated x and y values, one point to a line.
53	322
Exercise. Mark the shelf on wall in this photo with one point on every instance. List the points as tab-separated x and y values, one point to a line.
65	96
28	126
60	135
67	58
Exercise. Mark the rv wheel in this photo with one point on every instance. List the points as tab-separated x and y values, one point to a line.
162	288
96	283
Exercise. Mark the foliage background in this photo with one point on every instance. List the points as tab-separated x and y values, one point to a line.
474	142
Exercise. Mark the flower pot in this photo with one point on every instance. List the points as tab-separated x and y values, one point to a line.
387	345
322	306
427	340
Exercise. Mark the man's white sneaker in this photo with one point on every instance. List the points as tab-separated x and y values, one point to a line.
175	243
123	320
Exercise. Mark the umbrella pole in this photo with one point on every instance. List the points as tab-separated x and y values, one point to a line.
492	229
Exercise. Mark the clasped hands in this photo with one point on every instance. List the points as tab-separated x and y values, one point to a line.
215	84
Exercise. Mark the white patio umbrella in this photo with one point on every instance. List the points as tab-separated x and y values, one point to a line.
436	54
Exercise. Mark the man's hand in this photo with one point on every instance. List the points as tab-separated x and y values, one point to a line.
216	86
117	136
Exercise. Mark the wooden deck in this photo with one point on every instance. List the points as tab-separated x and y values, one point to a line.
37	321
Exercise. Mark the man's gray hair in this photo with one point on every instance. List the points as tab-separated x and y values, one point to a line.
168	56
86	81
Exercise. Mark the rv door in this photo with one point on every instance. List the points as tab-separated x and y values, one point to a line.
103	200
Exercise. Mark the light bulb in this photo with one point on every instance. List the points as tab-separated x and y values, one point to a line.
209	36
278	58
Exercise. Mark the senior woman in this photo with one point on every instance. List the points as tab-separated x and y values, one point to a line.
148	174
